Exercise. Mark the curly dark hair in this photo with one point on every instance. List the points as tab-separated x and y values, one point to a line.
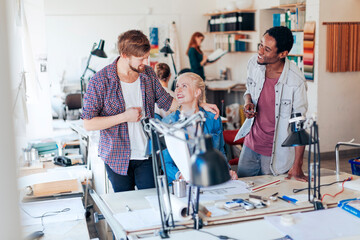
283	37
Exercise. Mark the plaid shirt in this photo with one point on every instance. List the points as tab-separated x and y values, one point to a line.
104	98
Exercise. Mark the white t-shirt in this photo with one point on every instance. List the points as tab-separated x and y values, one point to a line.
133	98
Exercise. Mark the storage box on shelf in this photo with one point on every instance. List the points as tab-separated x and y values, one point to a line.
231	30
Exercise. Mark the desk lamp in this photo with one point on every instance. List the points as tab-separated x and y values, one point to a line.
299	137
99	52
167	50
208	168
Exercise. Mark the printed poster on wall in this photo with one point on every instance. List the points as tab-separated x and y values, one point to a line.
154	46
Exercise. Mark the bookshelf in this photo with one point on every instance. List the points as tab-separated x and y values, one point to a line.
227	12
293	17
231	30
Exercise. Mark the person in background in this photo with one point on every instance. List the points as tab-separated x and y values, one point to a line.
197	58
275	89
117	97
163	73
190	93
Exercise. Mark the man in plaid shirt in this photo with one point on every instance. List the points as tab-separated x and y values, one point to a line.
117	98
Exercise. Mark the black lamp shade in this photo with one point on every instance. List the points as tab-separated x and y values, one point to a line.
166	49
299	138
209	167
99	51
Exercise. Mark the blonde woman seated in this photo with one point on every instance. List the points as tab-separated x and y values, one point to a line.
190	92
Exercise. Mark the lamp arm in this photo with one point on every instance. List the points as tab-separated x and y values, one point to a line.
88	62
173	62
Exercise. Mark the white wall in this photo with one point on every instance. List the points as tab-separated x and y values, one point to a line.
312	14
73	26
10	221
338	93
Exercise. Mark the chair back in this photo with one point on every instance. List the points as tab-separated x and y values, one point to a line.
73	101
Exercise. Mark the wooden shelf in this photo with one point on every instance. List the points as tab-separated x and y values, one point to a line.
297	30
295	55
234	11
211	50
287	6
231	32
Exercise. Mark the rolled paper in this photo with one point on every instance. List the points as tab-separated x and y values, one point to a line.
309	76
179	209
308	68
308	44
309	36
308	61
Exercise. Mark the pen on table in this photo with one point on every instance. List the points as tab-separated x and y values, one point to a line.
128	208
287	200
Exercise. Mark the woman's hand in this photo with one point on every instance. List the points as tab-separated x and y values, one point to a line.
204	60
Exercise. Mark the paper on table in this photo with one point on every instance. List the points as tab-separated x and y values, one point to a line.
217	212
179	152
228	188
354	184
44	178
317	225
179	207
36	209
219	192
139	219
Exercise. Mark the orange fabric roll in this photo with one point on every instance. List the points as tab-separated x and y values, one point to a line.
308	44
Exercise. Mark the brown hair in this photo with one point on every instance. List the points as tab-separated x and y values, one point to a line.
133	43
197	82
162	71
193	43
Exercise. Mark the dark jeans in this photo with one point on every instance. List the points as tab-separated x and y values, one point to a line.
140	173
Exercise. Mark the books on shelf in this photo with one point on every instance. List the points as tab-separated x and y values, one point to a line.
294	20
298	45
218	53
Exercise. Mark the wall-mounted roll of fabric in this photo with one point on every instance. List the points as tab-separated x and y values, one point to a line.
343	46
309	45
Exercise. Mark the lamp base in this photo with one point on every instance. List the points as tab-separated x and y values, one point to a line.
164	234
318	205
198	223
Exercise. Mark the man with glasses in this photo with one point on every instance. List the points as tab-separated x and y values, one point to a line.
275	89
117	97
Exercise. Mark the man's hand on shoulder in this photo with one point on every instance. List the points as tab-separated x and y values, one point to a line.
211	108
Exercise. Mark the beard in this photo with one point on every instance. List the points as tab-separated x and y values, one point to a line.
139	69
262	63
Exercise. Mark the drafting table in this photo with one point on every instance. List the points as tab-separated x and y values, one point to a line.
111	204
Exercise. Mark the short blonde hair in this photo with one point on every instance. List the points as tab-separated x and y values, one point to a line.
198	83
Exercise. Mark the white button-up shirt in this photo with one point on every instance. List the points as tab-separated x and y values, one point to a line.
290	97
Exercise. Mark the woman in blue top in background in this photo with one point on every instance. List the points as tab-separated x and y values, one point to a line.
197	58
190	92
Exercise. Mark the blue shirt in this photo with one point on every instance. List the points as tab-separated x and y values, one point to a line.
211	126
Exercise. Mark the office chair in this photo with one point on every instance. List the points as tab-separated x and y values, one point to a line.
72	103
236	117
